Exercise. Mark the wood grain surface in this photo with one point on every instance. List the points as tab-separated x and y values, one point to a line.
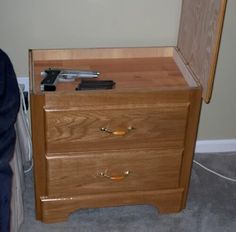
79	129
132	73
74	174
199	38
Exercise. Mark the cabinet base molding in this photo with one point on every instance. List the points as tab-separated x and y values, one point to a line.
59	209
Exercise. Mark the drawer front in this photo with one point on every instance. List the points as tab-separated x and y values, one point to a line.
86	130
113	172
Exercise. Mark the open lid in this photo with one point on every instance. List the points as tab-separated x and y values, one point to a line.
199	39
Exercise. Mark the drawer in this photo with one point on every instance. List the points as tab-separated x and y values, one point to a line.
152	126
133	170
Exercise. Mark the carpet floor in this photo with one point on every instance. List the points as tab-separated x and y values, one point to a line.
211	207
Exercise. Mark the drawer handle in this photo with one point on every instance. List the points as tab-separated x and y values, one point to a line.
117	132
115	178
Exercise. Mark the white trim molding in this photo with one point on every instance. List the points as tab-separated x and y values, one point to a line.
214	146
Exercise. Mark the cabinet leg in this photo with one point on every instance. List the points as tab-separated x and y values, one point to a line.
54	211
168	203
166	209
54	216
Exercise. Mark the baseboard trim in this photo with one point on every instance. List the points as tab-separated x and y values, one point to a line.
213	146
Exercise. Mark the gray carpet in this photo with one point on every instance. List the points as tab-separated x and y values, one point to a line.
211	207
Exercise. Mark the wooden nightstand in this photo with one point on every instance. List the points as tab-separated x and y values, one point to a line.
133	144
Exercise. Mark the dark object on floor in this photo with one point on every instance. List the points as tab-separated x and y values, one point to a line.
9	106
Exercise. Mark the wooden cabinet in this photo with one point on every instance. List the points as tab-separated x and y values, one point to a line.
130	145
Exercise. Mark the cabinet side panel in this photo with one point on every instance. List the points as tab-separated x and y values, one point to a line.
190	140
38	139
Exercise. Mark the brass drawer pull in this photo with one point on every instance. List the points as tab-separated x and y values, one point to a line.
115	178
117	132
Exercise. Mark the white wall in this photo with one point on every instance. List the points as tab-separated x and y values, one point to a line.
28	24
218	119
85	23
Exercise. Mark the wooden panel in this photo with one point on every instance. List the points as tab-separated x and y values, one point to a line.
38	141
199	38
58	209
80	129
187	73
99	53
72	174
130	98
190	141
